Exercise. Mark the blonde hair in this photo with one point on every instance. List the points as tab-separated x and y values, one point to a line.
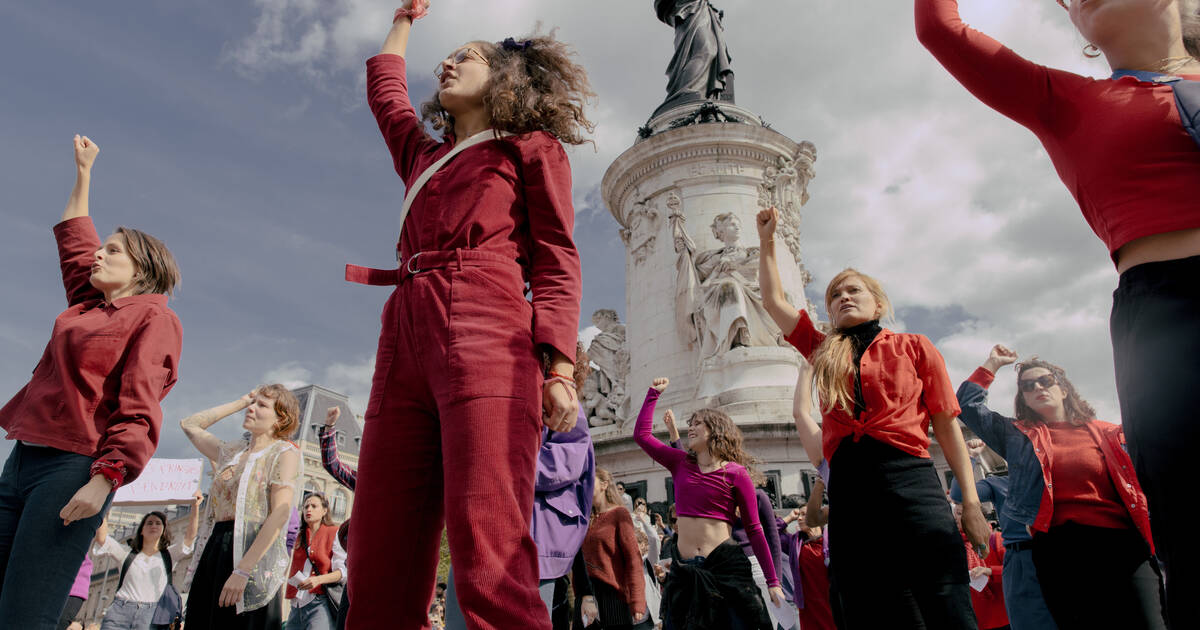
611	494
833	360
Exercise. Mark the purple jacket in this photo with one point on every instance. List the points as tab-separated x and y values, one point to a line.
562	501
83	579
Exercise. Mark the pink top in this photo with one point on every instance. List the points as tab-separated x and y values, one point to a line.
83	579
716	495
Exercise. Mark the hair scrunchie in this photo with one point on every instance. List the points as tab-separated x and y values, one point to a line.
513	45
420	8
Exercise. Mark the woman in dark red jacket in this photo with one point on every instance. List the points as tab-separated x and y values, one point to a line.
1092	547
315	564
89	418
459	387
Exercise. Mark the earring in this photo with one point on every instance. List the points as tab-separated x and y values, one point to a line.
1091	51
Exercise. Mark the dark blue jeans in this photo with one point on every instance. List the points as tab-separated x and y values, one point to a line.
39	558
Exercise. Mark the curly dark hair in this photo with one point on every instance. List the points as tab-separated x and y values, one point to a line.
725	442
533	86
1078	411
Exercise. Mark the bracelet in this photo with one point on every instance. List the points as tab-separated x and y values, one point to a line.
564	381
420	8
245	574
112	471
558	375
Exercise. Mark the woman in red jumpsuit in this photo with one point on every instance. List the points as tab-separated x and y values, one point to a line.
467	368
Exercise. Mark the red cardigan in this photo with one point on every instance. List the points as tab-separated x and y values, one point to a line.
97	389
319	551
611	553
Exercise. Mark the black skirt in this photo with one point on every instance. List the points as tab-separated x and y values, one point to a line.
215	567
894	549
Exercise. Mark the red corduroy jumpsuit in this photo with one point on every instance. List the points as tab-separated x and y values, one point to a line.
454	421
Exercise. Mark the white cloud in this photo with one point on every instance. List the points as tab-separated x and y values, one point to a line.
352	379
291	375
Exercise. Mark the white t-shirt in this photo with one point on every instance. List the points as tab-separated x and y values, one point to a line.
147	576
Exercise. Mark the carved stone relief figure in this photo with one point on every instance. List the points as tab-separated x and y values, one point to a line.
785	186
604	391
718	303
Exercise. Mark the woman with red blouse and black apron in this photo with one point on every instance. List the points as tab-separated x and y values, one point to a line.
468	369
1127	149
880	391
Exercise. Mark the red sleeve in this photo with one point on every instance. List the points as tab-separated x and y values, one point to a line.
635	584
554	273
805	337
77	244
982	377
149	372
1002	79
937	393
387	95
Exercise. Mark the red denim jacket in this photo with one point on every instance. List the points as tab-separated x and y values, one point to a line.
98	387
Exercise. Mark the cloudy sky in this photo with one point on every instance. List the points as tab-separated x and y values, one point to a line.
238	133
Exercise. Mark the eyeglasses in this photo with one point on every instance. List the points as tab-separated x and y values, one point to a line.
1029	384
459	56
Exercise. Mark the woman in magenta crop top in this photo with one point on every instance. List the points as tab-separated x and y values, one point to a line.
711	485
1121	147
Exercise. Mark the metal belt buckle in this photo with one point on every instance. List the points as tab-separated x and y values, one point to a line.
409	265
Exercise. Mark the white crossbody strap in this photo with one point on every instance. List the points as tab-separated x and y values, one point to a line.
411	194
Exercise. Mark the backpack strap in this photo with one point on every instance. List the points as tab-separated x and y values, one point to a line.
411	194
166	558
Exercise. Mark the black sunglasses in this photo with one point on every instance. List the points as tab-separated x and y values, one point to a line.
1046	381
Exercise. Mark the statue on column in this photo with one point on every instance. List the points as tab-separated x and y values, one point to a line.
700	68
603	395
718	301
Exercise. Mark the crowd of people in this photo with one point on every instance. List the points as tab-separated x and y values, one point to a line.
473	423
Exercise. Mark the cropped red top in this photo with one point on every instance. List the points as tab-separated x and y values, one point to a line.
1118	145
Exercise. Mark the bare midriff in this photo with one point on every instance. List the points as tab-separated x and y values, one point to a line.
1158	247
699	536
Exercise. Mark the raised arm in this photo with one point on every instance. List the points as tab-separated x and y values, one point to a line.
785	315
75	234
672	430
329	454
387	95
195	426
1002	79
991	427
105	545
396	42
85	155
282	488
816	514
642	434
802	406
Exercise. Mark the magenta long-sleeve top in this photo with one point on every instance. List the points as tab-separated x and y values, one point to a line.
716	495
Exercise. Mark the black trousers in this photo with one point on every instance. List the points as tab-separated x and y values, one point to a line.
1097	577
1155	327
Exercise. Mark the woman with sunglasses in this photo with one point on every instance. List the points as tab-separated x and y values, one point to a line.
1122	148
1071	485
459	396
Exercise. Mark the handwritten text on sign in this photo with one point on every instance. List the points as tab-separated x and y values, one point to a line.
163	481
